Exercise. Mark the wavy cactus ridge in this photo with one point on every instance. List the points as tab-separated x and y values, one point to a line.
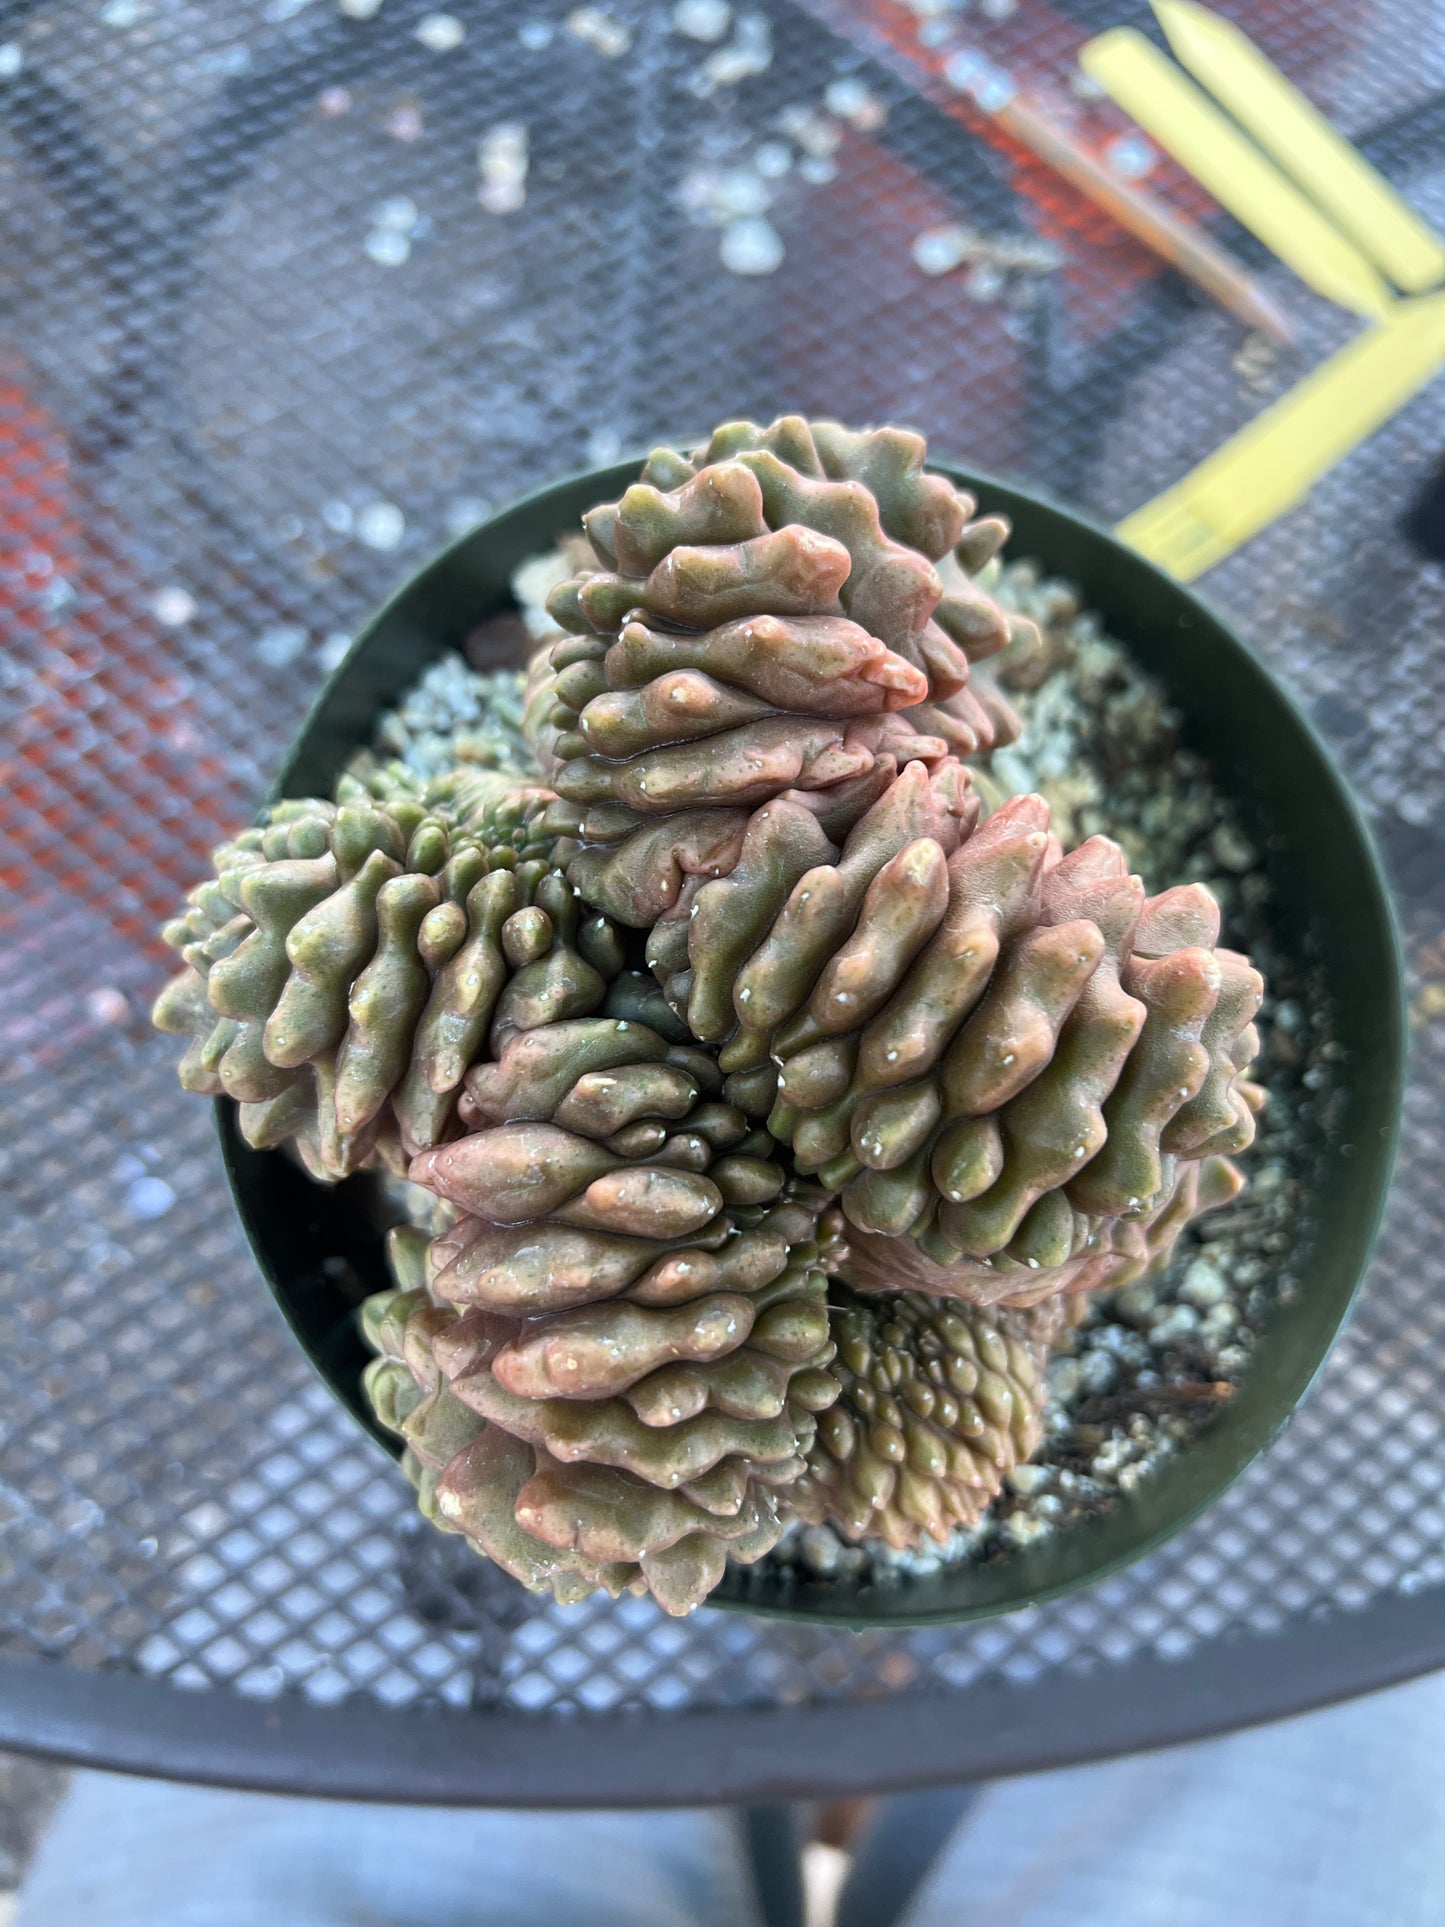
870	489
1110	1254
985	1048
767	617
736	994
349	960
634	1291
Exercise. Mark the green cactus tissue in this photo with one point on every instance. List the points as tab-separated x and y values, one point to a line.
775	1104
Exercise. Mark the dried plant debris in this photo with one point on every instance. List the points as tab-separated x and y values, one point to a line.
806	1090
997	266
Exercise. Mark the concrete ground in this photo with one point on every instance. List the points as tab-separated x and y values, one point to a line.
29	1790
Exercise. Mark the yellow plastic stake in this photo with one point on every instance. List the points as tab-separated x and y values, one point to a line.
1270	466
1186	124
1299	137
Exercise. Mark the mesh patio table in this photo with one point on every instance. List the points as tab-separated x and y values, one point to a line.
265	349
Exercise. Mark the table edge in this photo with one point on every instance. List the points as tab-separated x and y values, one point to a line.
125	1722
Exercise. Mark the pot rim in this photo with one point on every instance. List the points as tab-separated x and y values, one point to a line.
1059	1564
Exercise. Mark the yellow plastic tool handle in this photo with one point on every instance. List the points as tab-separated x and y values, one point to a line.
1270	466
1299	137
1186	124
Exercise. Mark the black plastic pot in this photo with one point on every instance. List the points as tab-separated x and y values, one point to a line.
320	1248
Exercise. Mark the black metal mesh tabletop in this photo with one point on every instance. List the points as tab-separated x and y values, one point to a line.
295	291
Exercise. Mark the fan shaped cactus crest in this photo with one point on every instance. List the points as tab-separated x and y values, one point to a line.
775	1102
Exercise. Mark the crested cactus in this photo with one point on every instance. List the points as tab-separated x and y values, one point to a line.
631	1294
1005	1054
767	621
775	1101
348	960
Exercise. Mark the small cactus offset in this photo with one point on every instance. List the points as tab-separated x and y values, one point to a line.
777	1103
939	1403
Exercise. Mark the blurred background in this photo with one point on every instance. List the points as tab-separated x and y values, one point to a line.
295	291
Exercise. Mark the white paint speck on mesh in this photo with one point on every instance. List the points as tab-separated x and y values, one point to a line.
107	1005
851	99
173	605
749	52
939	250
600	30
985	282
502	162
387	248
439	33
706	20
714	196
281	644
815	133
380	525
398	213
149	1197
1131	157
751	246
405	121
816	170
